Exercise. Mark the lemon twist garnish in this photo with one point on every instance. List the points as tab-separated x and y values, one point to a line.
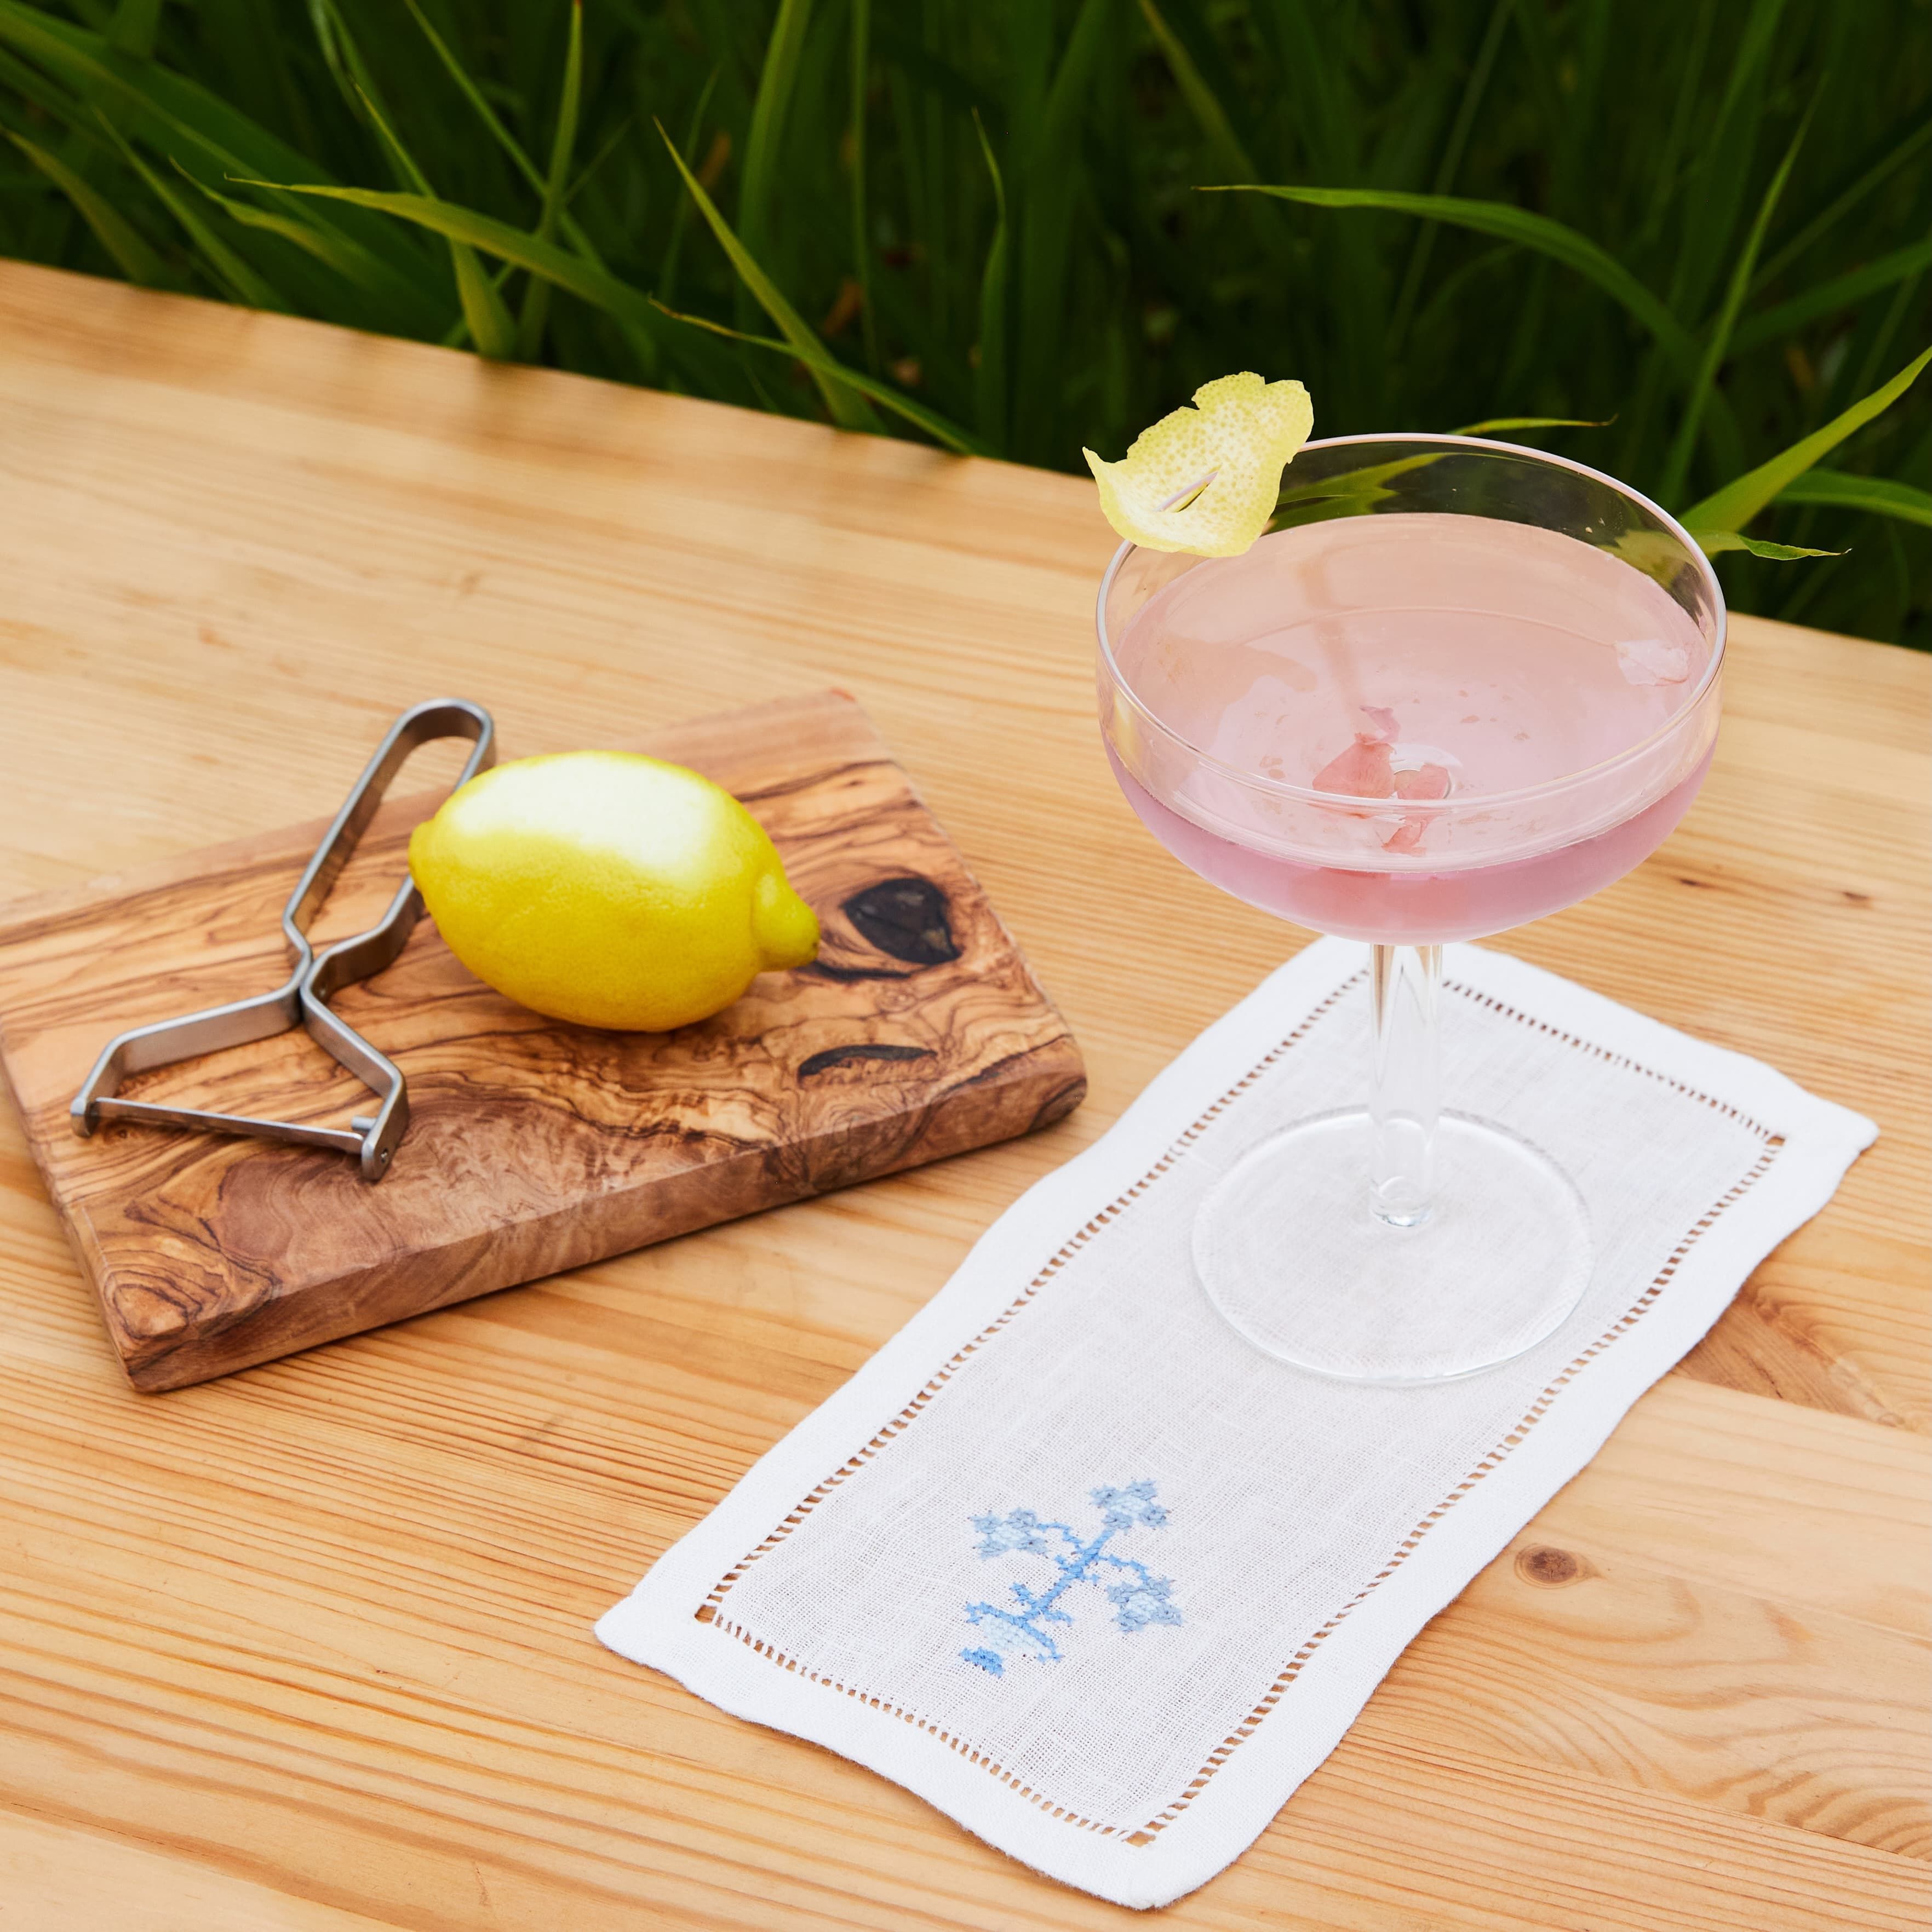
1237	436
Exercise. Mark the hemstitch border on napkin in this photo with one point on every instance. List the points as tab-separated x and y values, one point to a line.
709	1611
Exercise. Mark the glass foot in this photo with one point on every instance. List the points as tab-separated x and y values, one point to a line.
1288	1251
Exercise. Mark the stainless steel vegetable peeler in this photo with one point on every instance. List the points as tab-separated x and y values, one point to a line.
302	999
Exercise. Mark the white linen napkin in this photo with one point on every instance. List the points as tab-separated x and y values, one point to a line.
1073	1561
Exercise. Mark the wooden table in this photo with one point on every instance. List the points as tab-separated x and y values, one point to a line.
310	1648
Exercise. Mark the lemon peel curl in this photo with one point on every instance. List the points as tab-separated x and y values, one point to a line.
1240	433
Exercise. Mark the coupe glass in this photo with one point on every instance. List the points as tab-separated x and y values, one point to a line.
1457	684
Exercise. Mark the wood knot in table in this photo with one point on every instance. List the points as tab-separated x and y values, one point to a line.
1550	1568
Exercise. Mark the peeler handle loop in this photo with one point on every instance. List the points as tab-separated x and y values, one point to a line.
420	724
302	999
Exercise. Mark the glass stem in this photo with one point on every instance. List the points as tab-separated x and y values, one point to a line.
1406	1094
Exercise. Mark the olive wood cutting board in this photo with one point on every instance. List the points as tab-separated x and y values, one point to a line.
533	1145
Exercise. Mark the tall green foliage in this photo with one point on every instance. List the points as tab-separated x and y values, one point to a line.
983	221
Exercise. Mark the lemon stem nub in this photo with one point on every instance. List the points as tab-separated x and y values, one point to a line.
786	929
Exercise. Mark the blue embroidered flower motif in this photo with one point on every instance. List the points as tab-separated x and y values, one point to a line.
1019	1531
1139	1597
1139	1604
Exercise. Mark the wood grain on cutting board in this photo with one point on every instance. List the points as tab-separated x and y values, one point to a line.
533	1146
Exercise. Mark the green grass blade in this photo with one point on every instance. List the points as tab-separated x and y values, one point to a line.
87	63
359	90
1841	292
1677	465
1315	59
1547	237
132	253
485	315
1828	218
519	157
1202	100
899	45
180	108
1715	543
45	98
1184	22
457	335
1474	89
474	94
961	443
778	80
1043	200
861	243
643	345
1714	196
563	140
843	399
667	268
484	310
536	298
365	98
1107	289
1838	489
239	276
1878	340
134	27
1666	180
1320	52
1484	428
129	32
990	378
612	141
1592	29
322	24
358	266
1741	499
586	280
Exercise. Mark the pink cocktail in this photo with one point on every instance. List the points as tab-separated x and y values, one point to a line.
1457	686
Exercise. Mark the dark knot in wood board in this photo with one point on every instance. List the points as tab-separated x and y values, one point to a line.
841	1056
905	918
1550	1568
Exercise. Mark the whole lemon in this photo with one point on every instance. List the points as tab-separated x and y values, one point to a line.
610	890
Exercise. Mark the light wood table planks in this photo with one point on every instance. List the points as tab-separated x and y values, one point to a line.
309	1647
